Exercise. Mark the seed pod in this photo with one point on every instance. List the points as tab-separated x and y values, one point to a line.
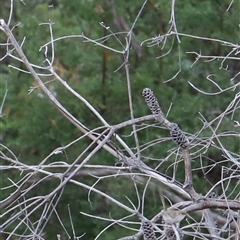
171	235
153	104
178	136
148	231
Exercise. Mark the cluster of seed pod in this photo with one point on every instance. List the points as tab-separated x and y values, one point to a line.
177	134
148	231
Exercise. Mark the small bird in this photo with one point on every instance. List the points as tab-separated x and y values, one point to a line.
173	216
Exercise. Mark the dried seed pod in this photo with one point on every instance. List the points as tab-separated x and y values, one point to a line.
148	231
153	104
178	136
170	234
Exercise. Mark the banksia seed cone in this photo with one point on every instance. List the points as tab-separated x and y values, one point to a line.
170	234
153	104
148	231
178	136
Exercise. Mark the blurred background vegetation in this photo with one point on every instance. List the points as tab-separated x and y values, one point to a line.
31	127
